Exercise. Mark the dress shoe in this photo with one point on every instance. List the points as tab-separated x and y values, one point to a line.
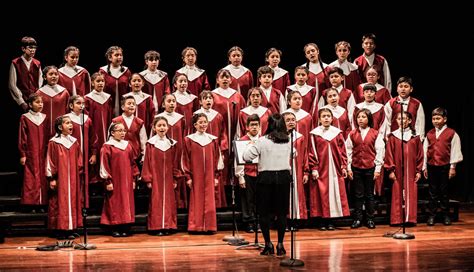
280	249
269	249
323	228
356	224
447	221
250	229
331	227
370	224
116	234
430	221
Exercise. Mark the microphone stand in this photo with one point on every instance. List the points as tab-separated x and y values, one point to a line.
404	235
292	262
85	245
233	240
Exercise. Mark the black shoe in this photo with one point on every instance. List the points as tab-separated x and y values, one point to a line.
160	233
250	228
356	224
331	227
447	221
116	234
430	221
280	249
269	249
323	228
370	224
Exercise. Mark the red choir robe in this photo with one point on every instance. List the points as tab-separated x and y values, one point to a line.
377	61
161	168
242	79
176	131
116	84
378	114
117	167
217	128
327	155
304	122
76	80
273	99
346	100
99	107
136	134
186	104
351	74
281	79
413	158
382	95
228	103
55	104
197	79
145	108
262	112
33	138
200	159
24	80
301	168
317	74
413	106
83	131
309	96
64	164
157	84
340	119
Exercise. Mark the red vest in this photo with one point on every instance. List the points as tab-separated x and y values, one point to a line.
363	152
363	66
250	169
413	106
27	80
439	150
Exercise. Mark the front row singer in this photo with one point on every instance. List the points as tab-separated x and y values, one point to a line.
273	185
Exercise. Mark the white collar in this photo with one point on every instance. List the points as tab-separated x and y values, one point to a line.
70	71
191	72
202	138
315	68
122	145
278	72
153	76
302	89
326	134
300	114
337	111
172	117
162	144
115	72
184	98
236	71
66	140
227	93
377	86
372	106
77	118
211	114
27	62
99	97
407	134
439	130
52	91
36	117
139	96
296	135
260	111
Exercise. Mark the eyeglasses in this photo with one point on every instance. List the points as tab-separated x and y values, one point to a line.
32	47
121	130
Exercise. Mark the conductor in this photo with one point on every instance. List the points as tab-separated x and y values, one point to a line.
273	185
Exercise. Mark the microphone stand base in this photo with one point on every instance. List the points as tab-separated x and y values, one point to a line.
291	263
83	246
403	236
228	238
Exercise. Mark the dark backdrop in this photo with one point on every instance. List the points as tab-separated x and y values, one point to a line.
434	52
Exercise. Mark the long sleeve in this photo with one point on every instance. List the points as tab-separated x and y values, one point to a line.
251	152
188	173
342	150
350	109
14	91
389	161
386	75
313	155
282	103
93	140
105	159
52	161
420	122
147	173
425	152
349	148
419	156
143	139
22	138
456	155
379	152
388	118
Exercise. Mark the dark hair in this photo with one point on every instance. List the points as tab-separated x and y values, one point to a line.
96	75
125	98
110	51
112	128
265	70
276	131
163	98
159	118
320	61
409	116
440	111
32	98
369	36
197	116
405	79
66	53
370	87
28	41
259	90
334	70
204	94
270	51
58	124
73	99
370	118
252	118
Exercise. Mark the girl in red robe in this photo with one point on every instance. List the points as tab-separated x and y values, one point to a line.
216	127
74	78
328	164
116	76
281	77
160	169
376	109
200	159
186	102
382	94
317	76
242	78
156	81
119	171
340	117
197	77
83	131
55	97
99	106
409	170
304	122
63	169
145	109
309	94
254	101
32	143
350	70
273	98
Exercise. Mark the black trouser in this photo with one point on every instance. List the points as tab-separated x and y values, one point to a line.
247	198
273	199
438	178
363	192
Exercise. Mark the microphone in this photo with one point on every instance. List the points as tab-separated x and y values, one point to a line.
82	107
234	103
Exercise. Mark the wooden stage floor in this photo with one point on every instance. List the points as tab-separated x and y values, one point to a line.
434	248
